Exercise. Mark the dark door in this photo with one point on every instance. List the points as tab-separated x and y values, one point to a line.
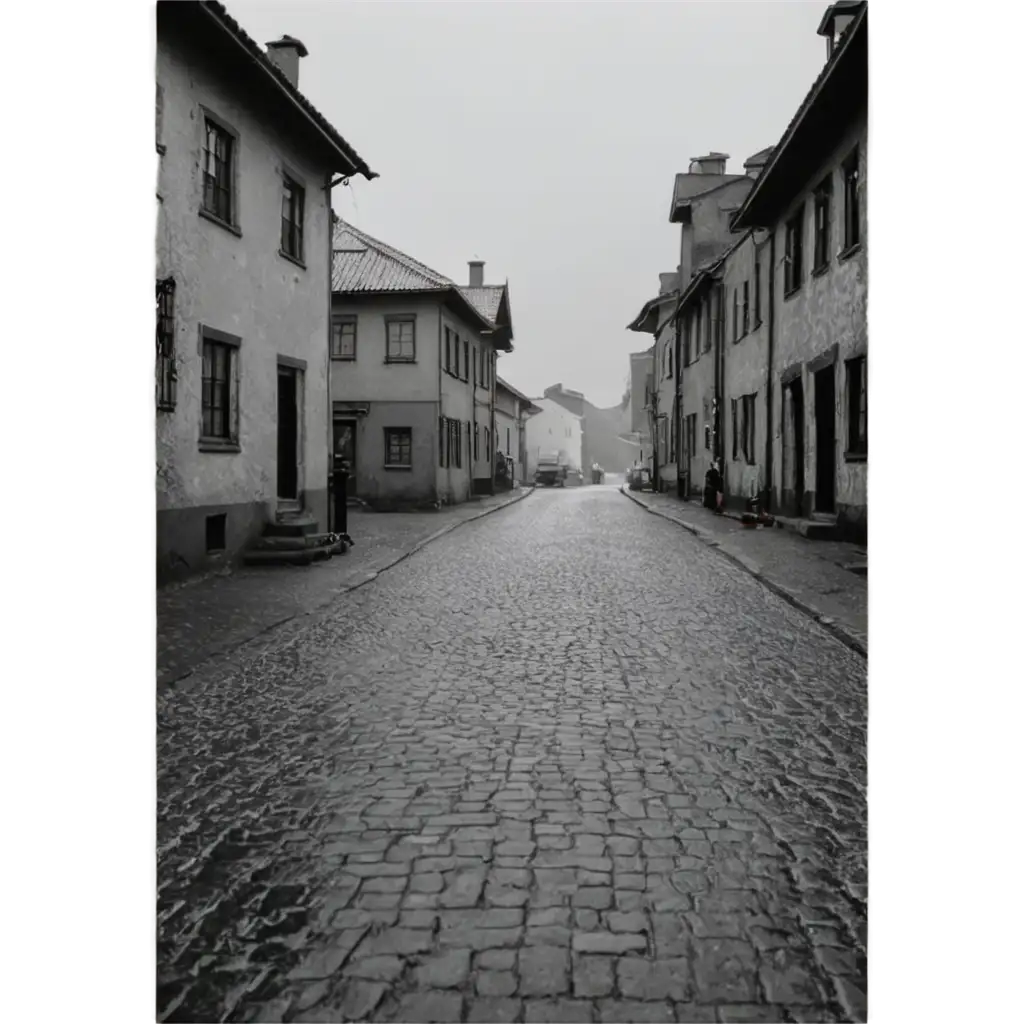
345	448
796	445
825	438
287	433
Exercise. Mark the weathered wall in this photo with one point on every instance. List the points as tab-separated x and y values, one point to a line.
697	389
383	486
640	365
239	284
746	372
823	323
665	382
710	220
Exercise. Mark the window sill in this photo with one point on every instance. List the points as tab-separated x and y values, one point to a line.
856	456
216	445
398	469
399	362
819	271
792	291
165	407
850	250
214	219
343	359
291	259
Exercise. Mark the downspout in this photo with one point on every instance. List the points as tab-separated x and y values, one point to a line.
442	433
331	514
680	483
719	389
769	445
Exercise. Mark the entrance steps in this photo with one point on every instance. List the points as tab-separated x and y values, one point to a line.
293	538
820	526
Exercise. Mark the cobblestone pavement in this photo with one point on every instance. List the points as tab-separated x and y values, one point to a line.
206	617
810	572
566	763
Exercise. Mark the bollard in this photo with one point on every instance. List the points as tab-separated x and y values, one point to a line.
341	501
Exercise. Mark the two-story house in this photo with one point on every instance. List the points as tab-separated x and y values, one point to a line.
811	201
511	411
243	287
413	359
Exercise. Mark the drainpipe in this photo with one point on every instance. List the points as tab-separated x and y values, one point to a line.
716	451
769	445
680	484
332	513
442	435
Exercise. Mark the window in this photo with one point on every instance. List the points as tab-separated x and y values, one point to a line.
794	258
747	427
442	441
746	307
508	440
857	406
465	360
474	367
851	200
293	205
757	293
220	413
707	325
735	314
166	373
476	440
343	338
822	219
401	335
735	431
458	349
487	443
218	172
452	442
216	532
668	352
397	448
447	350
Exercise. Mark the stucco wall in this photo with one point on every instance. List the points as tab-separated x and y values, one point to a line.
382	486
239	284
746	372
640	365
826	319
697	388
665	380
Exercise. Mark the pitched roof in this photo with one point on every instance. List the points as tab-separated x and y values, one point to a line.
366	264
327	131
486	298
502	383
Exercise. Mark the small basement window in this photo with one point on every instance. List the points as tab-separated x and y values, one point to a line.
216	532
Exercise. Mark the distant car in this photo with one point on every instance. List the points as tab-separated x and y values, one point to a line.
638	478
550	473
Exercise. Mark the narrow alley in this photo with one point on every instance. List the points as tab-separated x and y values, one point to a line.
566	764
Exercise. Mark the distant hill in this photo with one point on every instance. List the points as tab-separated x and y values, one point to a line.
603	444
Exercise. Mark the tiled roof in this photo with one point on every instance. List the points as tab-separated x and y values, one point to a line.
486	299
220	14
365	264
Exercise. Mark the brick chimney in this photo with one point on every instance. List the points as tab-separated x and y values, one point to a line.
476	273
284	54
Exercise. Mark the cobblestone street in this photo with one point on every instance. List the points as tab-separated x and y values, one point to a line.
566	763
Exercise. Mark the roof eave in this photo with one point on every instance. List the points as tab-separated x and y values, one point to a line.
748	215
351	160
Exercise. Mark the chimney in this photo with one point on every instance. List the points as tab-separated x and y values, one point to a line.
756	164
836	21
713	163
284	54
476	273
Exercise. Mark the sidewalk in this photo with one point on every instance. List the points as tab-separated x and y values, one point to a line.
200	619
808	574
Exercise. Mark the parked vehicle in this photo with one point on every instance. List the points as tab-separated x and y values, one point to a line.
638	478
551	471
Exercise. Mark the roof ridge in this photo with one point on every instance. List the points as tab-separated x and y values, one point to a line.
390	251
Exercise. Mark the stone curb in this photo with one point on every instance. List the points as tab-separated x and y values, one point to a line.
345	589
845	636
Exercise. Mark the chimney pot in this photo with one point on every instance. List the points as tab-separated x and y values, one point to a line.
712	163
476	273
284	54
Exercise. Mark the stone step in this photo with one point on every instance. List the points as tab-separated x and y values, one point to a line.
294	556
812	529
290	543
292	526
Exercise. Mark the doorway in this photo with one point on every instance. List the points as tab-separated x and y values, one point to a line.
825	440
287	433
793	450
345	449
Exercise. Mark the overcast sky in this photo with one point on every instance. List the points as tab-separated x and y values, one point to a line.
543	138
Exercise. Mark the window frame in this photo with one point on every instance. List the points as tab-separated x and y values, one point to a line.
166	362
398	319
793	276
749	426
757	294
442	441
389	434
746	308
231	344
344	320
851	211
465	360
735	430
457	372
822	207
856	435
299	191
210	119
735	315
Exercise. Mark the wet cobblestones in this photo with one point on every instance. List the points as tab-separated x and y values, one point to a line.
565	763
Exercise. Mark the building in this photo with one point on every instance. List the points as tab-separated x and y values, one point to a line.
413	379
810	198
554	429
656	318
641	382
243	288
576	403
511	411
